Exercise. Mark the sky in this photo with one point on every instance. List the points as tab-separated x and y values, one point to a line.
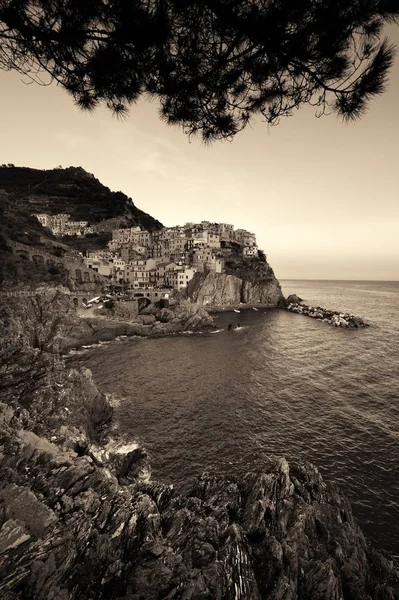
320	195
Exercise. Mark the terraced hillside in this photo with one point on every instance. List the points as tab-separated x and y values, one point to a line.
72	190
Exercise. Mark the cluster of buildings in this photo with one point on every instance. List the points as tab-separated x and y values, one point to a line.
61	224
169	256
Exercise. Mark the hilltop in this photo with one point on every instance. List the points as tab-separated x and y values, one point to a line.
74	191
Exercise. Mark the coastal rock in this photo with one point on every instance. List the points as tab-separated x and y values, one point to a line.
214	288
263	292
48	321
184	316
70	530
293	299
223	289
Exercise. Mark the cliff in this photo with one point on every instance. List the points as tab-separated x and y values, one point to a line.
81	520
224	289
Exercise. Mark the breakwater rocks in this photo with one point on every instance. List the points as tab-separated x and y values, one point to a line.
333	317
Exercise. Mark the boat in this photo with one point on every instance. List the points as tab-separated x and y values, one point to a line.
254	308
236	310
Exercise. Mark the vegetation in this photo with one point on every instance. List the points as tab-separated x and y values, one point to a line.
90	242
17	225
72	191
254	269
212	64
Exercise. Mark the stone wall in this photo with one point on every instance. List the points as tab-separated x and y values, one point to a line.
76	272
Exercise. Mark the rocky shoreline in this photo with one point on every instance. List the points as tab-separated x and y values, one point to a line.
49	320
160	323
81	519
332	317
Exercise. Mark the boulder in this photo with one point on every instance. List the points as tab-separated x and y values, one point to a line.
293	299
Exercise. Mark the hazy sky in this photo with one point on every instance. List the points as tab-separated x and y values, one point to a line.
321	196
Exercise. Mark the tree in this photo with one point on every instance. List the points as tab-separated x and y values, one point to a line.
212	64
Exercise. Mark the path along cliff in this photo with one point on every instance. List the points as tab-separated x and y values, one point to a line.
81	519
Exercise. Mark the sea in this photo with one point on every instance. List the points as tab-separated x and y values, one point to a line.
282	384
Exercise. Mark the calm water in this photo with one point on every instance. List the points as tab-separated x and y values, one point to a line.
284	385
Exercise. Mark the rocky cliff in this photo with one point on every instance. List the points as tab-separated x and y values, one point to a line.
48	321
224	289
72	528
81	520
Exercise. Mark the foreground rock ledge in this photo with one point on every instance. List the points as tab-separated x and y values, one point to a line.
74	530
80	520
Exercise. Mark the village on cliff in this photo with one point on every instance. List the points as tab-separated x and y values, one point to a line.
136	259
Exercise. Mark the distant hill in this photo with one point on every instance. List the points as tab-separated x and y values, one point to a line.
72	190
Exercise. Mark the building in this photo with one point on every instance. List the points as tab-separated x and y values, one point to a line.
250	251
213	240
130	252
137	272
199	237
179	279
140	238
100	265
226	232
122	236
244	237
43	219
207	259
160	249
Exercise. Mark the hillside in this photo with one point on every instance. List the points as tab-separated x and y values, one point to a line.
72	190
17	226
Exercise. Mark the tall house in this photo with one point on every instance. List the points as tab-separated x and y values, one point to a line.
137	273
121	235
179	279
226	232
141	238
244	237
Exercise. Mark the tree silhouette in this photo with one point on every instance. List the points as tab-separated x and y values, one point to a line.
212	64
